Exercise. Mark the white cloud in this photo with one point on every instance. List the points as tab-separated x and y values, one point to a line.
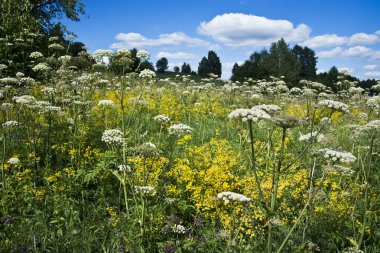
372	74
131	40
326	40
376	55
178	55
330	53
227	69
377	32
237	29
363	38
370	67
358	51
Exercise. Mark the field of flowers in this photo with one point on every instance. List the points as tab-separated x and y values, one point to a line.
97	162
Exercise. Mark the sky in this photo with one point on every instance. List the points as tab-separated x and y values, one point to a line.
343	33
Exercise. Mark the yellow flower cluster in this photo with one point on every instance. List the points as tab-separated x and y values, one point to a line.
147	170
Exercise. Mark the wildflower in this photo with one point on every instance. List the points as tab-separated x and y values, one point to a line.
25	99
180	129
124	168
41	67
145	190
268	108
311	136
113	137
352	250
11	123
232	196
143	55
106	102
56	46
174	219
275	222
20	75
48	90
371	127
253	114
286	121
8	81
162	118
147	73
14	160
334	105
36	55
178	229
337	156
147	149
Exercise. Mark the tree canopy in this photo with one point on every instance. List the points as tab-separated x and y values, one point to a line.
210	65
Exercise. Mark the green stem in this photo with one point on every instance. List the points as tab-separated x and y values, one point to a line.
2	167
275	184
366	178
254	166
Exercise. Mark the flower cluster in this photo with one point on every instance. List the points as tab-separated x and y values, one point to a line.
147	73
11	123
162	118
180	129
124	168
14	160
268	108
311	136
143	55
113	137
337	156
106	102
253	114
145	190
227	197
334	105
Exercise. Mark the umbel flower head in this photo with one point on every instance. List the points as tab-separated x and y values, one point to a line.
180	129
145	190
143	55
268	108
147	73
227	197
113	137
334	105
14	160
337	156
253	114
371	127
106	102
286	121
162	118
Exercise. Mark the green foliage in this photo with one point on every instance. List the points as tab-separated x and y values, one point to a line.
162	65
210	65
185	69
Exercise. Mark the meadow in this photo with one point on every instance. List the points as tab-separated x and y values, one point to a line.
93	161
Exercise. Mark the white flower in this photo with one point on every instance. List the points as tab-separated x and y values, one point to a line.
147	73
25	99
232	196
11	123
268	108
150	145
36	55
124	168
113	137
309	136
106	102
178	229
48	90
162	118
337	156
142	55
253	114
14	160
334	105
371	127
56	46
145	190
41	67
101	52
179	129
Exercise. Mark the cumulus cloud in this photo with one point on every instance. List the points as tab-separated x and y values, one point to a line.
358	51
372	74
326	40
376	55
370	67
377	32
178	55
362	39
137	40
238	29
346	70
330	53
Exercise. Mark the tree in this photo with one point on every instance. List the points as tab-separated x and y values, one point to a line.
176	69
186	68
162	65
209	65
308	62
48	12
281	61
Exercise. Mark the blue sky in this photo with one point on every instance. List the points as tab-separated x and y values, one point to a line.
344	33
